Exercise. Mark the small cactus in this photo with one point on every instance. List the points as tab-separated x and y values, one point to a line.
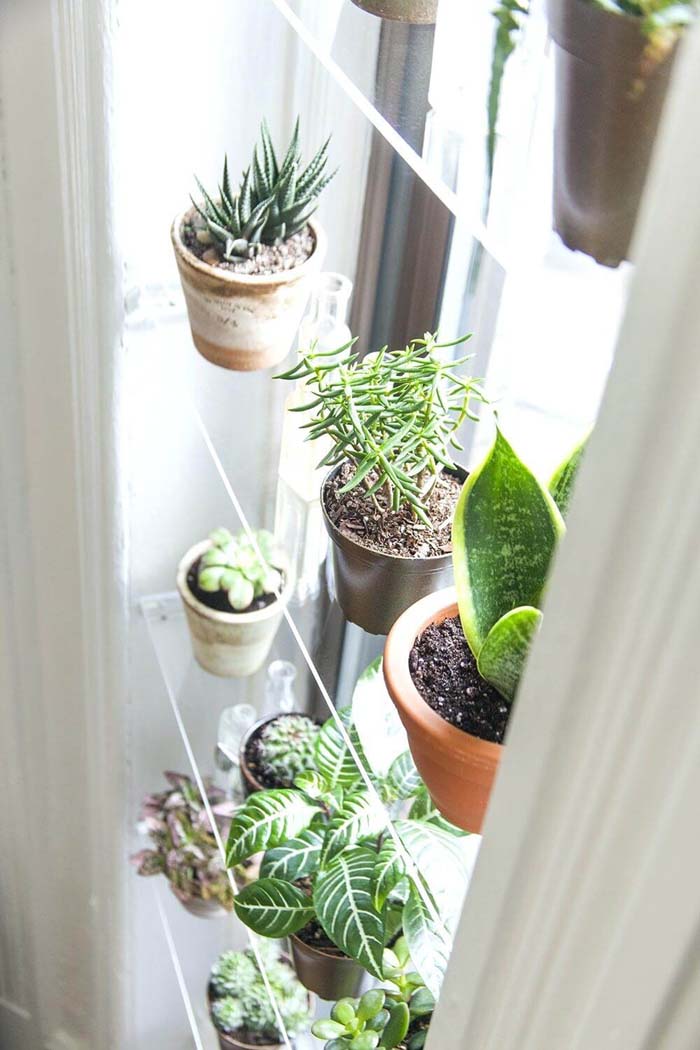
232	564
287	748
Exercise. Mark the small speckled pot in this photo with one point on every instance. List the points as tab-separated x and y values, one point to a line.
458	768
244	322
231	645
418	12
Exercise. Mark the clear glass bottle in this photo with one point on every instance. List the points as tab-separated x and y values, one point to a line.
279	687
298	519
234	722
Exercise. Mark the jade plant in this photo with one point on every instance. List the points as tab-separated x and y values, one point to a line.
287	747
506	528
240	1000
393	416
332	855
273	201
395	1015
232	564
184	846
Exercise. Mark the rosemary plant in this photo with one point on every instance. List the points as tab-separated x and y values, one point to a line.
393	416
273	202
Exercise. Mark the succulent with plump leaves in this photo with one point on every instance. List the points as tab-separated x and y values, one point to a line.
287	748
273	202
232	564
241	1000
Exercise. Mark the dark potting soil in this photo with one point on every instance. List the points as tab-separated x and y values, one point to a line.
444	672
386	531
253	750
219	599
262	258
314	935
244	1035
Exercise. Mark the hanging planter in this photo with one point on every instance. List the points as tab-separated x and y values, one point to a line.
233	601
418	12
276	750
390	421
326	971
452	662
612	75
248	258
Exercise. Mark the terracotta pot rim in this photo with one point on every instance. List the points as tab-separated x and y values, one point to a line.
434	608
245	740
326	953
249	280
238	619
434	562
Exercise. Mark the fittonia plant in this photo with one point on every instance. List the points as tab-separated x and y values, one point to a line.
232	564
505	531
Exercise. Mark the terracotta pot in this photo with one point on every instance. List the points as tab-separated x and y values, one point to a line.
604	130
458	768
374	589
231	645
202	909
239	321
419	12
330	976
250	781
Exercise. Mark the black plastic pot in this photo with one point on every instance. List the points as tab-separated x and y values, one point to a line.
609	100
418	12
374	589
329	975
250	781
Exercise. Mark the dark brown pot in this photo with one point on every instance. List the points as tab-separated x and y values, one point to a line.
458	768
250	781
330	976
418	12
604	127
374	589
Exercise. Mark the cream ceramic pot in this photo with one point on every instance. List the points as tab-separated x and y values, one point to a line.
231	645
240	321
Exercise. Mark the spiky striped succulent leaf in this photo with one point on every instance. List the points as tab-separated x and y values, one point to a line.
389	870
503	655
334	758
505	530
273	908
267	819
429	942
342	897
403	778
273	202
562	482
359	816
294	859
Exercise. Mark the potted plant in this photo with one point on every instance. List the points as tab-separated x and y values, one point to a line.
184	847
453	661
248	257
396	1015
388	500
418	12
239	1001
333	878
234	591
276	750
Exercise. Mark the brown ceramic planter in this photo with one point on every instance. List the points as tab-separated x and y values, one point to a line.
458	768
202	909
604	130
418	12
330	976
374	589
250	781
244	322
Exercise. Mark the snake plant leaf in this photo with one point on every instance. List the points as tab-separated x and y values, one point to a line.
294	859
502	656
334	758
342	897
388	872
429	942
273	908
562	482
403	778
360	816
504	533
267	819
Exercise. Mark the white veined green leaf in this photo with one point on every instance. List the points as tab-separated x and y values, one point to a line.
388	872
343	900
403	777
273	908
312	782
445	862
267	819
429	943
333	756
360	816
376	720
423	808
295	858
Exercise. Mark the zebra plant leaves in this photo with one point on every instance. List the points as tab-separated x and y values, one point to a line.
273	908
389	870
343	899
359	817
428	942
334	758
295	858
503	655
268	819
403	779
562	482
